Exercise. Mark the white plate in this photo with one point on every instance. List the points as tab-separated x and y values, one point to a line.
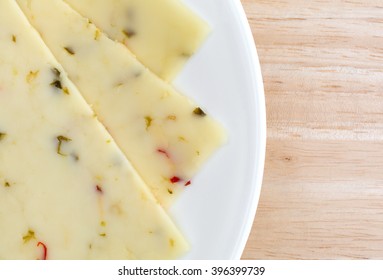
217	210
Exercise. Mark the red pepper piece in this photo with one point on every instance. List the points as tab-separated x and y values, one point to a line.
188	183
99	189
174	180
161	151
44	248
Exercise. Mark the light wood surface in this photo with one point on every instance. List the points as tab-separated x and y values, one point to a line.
322	196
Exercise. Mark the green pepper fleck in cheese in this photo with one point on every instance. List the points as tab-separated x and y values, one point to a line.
164	134
66	190
163	34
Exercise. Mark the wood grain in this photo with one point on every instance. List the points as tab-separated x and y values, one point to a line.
322	196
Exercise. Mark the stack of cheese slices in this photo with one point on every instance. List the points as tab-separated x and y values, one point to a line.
95	143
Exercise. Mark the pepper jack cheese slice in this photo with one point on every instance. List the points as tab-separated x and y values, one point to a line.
66	190
163	134
163	34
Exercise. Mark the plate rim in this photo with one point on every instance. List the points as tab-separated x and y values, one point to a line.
259	104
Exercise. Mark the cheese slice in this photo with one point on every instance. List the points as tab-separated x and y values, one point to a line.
163	34
164	134
66	190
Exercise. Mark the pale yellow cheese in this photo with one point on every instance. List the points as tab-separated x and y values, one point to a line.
162	133
163	34
63	180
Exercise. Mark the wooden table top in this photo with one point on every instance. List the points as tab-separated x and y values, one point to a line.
322	195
